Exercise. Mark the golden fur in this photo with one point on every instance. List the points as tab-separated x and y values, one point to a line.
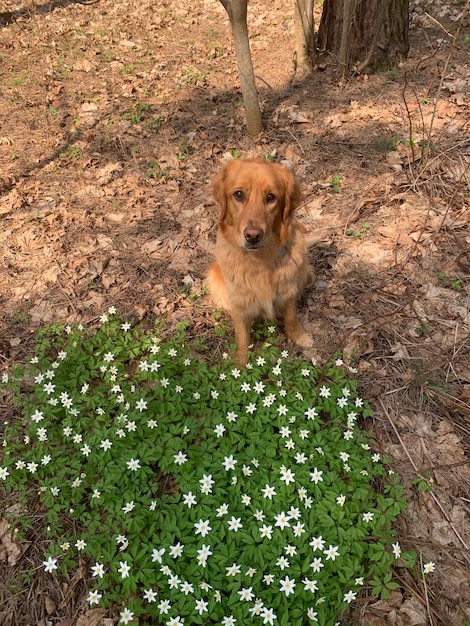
261	264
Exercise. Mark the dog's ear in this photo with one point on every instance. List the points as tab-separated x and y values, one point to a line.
292	199
217	187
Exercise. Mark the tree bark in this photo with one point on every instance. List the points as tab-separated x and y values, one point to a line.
304	35
237	12
365	33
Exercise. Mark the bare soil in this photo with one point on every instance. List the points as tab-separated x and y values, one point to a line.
114	117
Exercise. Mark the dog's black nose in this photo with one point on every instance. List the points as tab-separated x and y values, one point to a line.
253	236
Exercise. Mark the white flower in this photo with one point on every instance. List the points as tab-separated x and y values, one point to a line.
250	408
342	402
203	554
331	553
311	614
158	554
282	409
141	405
228	620
282	521
429	567
266	531
367	517
201	606
189	499
80	544
287	585
202	527
125	616
316	476
269	400
246	499
282	562
206	483
128	507
268	492
298	529
246	594
180	458
396	550
310	585
105	444
219	430
173	581
324	392
49	388
150	595
187	588
4	473
235	524
176	550
222	510
277	370
175	621
98	570
133	465
124	569
164	606
317	543
316	565
229	463
86	450
349	597
341	500
50	565
268	616
287	475
94	597
233	570
259	387
37	416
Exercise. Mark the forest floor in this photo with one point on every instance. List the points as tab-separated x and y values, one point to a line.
114	118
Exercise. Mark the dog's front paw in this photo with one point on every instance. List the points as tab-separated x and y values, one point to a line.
302	339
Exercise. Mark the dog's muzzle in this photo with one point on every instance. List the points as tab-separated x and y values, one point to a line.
253	237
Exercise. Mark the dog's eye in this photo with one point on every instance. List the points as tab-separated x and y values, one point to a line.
239	195
270	198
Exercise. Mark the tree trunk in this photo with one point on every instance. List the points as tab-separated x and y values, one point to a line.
237	12
304	35
363	33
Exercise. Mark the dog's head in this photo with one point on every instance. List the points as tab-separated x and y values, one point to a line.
256	200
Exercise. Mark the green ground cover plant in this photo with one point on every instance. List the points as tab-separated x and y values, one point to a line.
196	492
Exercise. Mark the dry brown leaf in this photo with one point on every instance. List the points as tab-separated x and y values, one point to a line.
91	618
412	613
10	550
83	65
49	605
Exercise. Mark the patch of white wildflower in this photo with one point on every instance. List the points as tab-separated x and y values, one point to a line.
202	494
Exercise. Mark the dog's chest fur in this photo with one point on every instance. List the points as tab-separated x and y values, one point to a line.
261	282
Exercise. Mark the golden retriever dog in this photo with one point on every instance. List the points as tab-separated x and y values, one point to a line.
260	253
